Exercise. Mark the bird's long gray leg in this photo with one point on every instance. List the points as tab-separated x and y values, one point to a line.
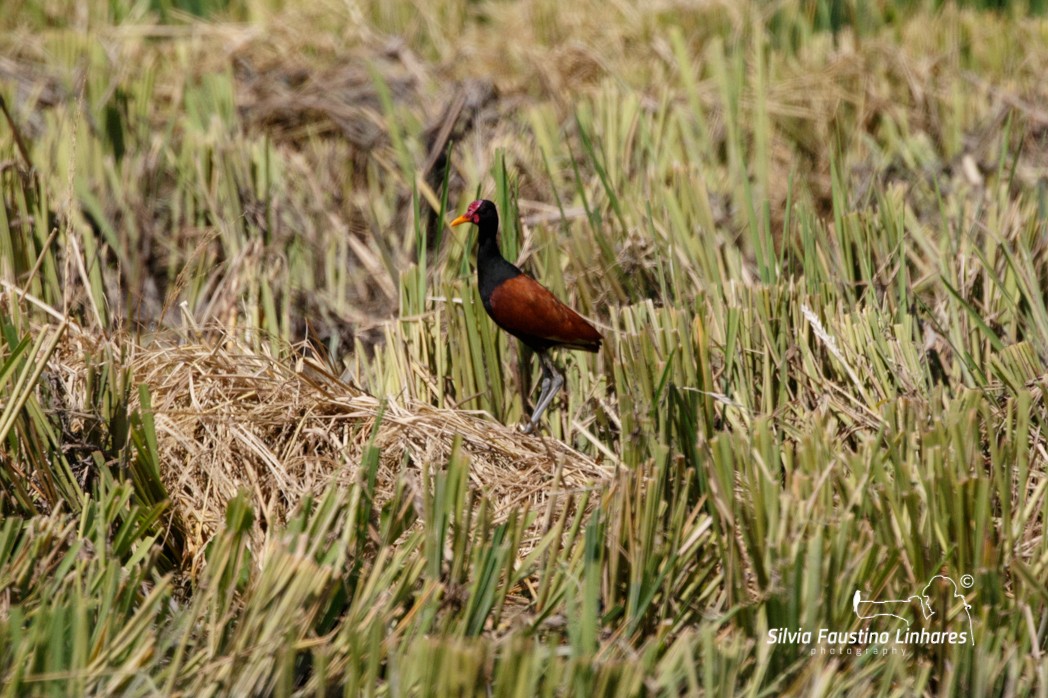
556	382
544	384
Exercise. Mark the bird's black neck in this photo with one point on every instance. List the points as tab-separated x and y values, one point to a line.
492	267
488	247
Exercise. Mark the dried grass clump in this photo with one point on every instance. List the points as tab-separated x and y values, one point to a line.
230	419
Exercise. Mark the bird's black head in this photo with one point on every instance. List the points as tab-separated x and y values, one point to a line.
482	213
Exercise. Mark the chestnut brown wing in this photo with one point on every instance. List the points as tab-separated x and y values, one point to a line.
526	309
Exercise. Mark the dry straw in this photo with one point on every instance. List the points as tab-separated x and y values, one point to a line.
238	420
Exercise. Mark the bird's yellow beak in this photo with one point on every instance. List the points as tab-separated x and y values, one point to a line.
460	220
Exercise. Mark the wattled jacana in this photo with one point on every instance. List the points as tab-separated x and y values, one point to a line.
524	307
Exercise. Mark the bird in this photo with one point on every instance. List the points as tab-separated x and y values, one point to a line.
523	307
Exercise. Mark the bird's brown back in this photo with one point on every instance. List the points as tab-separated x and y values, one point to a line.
526	309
